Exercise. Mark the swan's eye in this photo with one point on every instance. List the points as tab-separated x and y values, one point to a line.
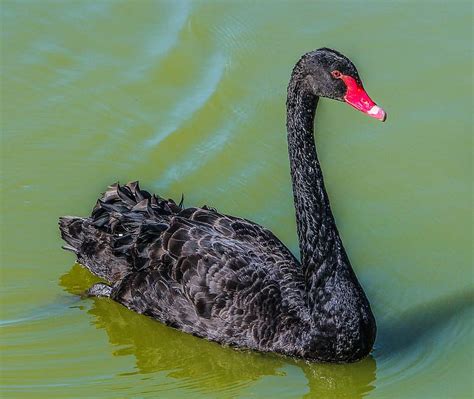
336	74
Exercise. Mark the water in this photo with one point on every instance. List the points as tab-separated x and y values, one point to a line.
189	98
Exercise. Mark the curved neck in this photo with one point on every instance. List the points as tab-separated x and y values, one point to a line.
320	245
342	323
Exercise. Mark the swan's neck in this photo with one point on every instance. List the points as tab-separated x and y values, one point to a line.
320	245
343	326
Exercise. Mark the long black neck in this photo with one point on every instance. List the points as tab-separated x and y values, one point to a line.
320	245
343	326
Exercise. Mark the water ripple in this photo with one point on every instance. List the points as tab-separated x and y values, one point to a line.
194	99
204	150
160	42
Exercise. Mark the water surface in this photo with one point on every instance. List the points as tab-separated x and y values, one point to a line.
189	97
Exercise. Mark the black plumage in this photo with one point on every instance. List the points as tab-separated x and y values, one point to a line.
228	279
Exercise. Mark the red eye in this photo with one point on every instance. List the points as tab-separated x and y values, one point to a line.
336	74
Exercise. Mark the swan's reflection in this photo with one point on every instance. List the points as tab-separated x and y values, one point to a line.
207	366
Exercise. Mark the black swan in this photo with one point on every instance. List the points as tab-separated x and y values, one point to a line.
228	279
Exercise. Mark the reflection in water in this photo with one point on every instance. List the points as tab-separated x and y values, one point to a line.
207	366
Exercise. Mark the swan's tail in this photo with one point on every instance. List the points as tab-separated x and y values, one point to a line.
71	232
109	242
90	246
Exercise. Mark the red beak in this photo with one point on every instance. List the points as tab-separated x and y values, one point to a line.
359	99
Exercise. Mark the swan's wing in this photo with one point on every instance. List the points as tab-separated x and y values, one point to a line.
126	218
240	229
209	274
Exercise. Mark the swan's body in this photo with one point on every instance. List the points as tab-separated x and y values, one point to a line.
230	280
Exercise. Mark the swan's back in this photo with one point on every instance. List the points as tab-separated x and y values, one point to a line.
218	277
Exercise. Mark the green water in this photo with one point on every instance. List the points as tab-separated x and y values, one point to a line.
189	97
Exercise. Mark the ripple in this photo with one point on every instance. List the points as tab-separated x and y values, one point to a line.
161	41
205	150
42	313
235	33
193	99
419	339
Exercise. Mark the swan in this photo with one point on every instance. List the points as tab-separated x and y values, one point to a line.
230	280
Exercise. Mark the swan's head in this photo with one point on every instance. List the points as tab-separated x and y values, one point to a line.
330	74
